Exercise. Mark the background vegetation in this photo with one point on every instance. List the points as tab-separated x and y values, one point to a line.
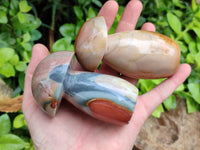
23	23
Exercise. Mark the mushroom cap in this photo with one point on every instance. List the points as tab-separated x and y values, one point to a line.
91	43
47	81
142	54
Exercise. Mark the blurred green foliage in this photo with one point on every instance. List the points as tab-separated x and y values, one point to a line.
21	25
14	134
82	11
18	31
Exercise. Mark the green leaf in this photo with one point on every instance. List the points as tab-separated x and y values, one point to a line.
180	88
194	89
191	105
178	3
17	92
24	7
187	37
27	46
145	85
21	66
31	23
62	44
193	47
5	124
78	26
35	35
190	58
174	22
194	5
140	22
157	113
14	59
68	29
183	47
97	2
78	11
197	31
91	13
157	81
3	8
22	18
11	142
197	58
3	17
19	121
21	79
7	39
170	102
6	54
178	13
13	7
26	37
82	2
198	44
7	70
26	56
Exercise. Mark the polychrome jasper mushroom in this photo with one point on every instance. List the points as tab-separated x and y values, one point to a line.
107	98
136	54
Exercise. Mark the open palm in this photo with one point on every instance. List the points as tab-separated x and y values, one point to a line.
73	130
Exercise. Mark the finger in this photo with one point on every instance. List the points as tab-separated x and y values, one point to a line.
105	69
131	80
152	99
130	16
109	11
148	27
76	66
39	51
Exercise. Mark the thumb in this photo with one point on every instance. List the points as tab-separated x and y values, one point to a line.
39	51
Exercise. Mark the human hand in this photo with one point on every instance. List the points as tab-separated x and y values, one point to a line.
72	129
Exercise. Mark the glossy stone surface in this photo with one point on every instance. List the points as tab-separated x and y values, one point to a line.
142	54
105	109
107	98
87	87
91	42
136	54
44	87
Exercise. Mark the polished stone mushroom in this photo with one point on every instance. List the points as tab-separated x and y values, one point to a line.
107	98
136	54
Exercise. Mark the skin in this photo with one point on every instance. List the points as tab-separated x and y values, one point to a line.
72	129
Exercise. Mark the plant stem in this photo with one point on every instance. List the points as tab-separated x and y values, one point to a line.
157	4
51	31
53	16
182	33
